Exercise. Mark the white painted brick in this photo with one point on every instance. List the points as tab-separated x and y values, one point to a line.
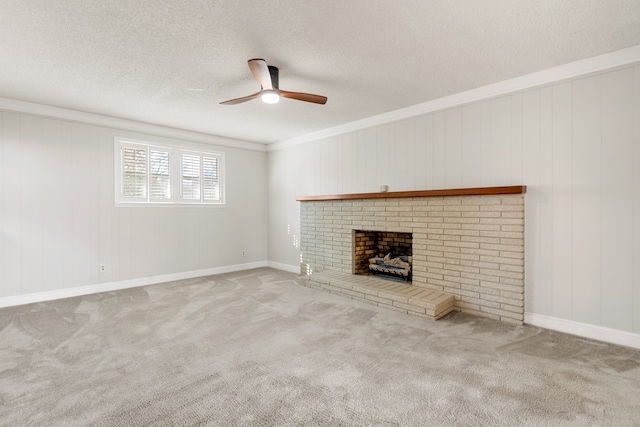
445	225
480	264
444	214
512	295
461	244
517	255
443	248
444	201
469	295
443	272
513	282
481	227
501	247
500	273
358	295
454	232
443	261
431	253
512	214
443	237
502	234
462	220
512	308
462	256
409	307
511	241
453	249
466	305
501	260
513	321
481	214
481	200
482	303
460	269
480	251
434	267
503	313
501	208
462	208
435	231
444	284
502	286
481	239
502	300
480	290
514	228
515	200
386	203
430	208
502	221
433	276
464	282
514	268
418	202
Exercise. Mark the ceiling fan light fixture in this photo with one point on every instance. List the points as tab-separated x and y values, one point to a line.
268	77
270	97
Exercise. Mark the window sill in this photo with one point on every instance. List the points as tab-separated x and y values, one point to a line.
168	205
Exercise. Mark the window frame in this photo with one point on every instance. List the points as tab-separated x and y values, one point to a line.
175	175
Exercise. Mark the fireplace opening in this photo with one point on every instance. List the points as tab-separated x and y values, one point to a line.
386	253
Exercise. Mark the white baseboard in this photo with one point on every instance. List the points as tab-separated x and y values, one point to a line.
124	284
600	333
285	267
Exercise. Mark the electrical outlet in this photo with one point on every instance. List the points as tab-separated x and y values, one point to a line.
244	252
103	268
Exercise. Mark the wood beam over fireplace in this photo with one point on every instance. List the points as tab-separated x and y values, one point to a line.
480	191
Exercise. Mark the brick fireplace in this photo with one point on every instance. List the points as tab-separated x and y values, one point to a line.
468	242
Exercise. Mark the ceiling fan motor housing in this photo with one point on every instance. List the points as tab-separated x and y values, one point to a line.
270	91
273	71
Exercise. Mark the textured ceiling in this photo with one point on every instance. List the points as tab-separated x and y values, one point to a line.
172	62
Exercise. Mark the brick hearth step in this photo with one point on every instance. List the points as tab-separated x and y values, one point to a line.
390	294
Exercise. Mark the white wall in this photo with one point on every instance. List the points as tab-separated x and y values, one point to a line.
575	145
58	222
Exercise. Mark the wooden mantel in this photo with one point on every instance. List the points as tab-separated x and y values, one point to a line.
481	191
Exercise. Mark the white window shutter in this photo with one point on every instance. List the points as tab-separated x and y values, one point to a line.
134	172
150	174
211	181
160	174
190	177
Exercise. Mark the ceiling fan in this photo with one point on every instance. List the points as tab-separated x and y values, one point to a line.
270	93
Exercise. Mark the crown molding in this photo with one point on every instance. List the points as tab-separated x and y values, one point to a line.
552	75
17	106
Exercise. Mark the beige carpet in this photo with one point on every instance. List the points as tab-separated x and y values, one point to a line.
255	348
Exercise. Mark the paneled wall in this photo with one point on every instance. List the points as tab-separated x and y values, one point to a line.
575	145
58	222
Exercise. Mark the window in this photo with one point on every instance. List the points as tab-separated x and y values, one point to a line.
154	174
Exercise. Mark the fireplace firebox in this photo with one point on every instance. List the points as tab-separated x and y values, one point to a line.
384	252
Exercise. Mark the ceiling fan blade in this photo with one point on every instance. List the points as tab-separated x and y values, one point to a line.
307	97
260	71
243	99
